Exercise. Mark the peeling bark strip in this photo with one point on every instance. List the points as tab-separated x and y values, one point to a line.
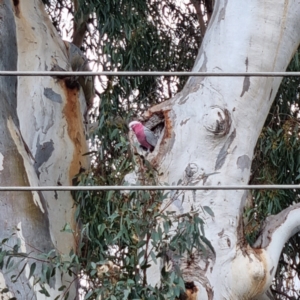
246	86
43	153
224	151
51	95
8	60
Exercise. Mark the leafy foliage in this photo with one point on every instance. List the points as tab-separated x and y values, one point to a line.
122	237
16	263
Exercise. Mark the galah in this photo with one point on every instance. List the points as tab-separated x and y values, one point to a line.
144	135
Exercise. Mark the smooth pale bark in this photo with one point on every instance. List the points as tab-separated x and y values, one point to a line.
51	116
212	126
42	141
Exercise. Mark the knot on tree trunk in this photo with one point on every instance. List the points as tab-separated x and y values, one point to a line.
217	121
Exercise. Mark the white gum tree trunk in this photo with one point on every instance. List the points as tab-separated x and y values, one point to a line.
42	142
212	126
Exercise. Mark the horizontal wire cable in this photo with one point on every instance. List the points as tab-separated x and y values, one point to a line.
148	187
149	73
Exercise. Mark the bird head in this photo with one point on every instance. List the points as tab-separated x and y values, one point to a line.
133	124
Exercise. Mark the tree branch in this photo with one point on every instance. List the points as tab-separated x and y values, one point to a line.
277	230
209	4
200	15
79	26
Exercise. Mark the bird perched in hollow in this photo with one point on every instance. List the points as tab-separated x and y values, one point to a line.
144	135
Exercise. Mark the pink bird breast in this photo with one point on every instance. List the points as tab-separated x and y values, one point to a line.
144	135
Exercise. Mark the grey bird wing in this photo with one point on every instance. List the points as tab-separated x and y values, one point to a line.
150	137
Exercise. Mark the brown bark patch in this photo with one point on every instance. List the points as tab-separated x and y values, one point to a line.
73	115
163	111
168	125
259	284
167	140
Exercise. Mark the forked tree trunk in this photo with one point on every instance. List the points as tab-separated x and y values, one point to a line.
42	142
212	126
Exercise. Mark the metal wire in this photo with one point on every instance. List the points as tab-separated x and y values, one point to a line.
150	73
149	187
